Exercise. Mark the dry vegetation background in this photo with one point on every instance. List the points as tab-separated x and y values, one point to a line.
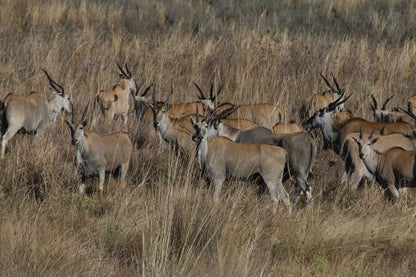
166	223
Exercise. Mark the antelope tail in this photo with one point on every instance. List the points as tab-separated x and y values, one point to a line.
3	120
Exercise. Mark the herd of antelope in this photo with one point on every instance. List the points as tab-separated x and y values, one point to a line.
230	141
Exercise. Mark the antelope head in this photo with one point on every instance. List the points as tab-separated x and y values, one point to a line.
128	81
200	128
331	90
140	101
319	118
62	100
364	145
211	101
159	109
77	128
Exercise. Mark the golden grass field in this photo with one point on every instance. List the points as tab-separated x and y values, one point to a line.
166	222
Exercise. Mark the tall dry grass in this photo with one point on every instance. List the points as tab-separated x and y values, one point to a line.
166	223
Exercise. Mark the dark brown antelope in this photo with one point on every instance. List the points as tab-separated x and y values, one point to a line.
32	112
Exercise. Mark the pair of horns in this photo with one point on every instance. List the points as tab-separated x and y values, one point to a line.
211	95
329	85
370	136
57	87
123	73
84	114
374	105
332	106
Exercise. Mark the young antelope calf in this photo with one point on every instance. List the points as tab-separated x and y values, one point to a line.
97	154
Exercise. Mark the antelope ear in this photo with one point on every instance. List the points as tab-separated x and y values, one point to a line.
355	139
374	140
216	123
52	90
194	124
115	97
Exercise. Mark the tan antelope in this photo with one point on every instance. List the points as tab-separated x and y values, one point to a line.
116	101
173	131
97	154
33	112
392	168
300	147
355	170
221	159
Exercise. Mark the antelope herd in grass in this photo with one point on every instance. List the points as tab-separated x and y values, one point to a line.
230	141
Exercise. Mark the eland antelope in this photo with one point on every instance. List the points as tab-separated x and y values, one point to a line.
176	132
392	168
317	101
116	101
300	146
221	159
97	154
355	169
32	112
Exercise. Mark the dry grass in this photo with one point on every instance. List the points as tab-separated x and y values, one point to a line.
166	223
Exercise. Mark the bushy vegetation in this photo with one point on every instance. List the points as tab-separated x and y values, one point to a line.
166	223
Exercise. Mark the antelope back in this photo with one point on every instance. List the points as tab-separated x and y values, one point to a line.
179	110
264	115
287	128
241	124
